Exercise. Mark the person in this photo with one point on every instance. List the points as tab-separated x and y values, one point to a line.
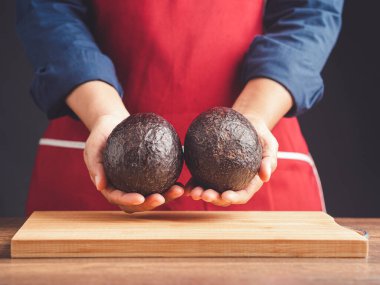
96	62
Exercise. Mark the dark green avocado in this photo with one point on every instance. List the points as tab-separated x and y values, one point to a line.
222	150
143	154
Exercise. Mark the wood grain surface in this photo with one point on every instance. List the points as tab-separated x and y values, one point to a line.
186	234
218	271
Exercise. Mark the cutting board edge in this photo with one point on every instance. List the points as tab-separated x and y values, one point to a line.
204	248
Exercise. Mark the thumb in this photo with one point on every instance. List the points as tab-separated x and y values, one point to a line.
94	162
100	180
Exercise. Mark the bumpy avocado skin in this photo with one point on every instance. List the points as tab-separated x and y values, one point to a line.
222	150
143	154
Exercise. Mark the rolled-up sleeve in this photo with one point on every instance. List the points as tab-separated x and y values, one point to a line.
297	40
62	50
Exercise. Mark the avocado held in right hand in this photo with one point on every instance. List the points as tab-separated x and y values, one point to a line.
143	155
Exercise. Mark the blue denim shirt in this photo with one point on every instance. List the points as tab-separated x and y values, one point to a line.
298	37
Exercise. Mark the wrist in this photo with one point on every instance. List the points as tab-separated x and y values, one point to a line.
108	119
96	100
265	100
255	117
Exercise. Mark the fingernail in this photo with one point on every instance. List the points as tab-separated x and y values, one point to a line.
97	181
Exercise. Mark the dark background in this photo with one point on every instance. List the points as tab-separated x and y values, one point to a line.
341	130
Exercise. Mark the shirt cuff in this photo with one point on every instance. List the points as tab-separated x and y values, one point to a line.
288	66
55	81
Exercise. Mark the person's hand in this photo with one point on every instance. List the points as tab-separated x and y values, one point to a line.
268	165
93	157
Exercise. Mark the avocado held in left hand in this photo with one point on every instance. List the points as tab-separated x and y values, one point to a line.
143	154
222	150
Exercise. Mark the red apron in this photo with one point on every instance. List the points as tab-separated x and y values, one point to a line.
177	59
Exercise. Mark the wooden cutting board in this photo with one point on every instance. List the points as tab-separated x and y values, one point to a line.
115	234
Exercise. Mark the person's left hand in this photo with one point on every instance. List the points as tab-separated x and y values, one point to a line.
268	165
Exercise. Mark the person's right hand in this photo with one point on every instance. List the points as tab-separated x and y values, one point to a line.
100	108
93	157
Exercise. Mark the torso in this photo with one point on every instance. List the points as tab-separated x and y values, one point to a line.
177	59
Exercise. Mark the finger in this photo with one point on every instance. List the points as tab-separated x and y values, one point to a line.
94	161
265	171
221	203
196	193
243	196
85	158
269	161
189	186
234	197
214	198
210	195
100	179
174	192
121	198
151	202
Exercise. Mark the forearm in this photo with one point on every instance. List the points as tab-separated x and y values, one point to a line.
264	99
95	99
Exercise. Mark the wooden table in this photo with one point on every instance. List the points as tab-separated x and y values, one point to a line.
216	271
